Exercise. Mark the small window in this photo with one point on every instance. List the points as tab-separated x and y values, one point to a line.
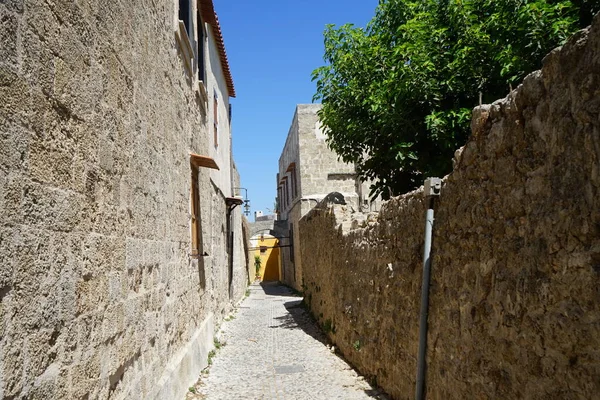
184	15
185	36
216	119
294	183
201	40
279	200
287	194
195	212
263	249
196	162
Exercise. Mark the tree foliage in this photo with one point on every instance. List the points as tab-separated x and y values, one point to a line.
397	96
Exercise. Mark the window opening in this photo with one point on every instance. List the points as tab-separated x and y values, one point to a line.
195	194
184	15
201	40
216	119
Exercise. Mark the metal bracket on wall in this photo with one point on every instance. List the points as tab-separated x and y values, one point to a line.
198	256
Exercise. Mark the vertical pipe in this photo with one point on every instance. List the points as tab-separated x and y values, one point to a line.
424	304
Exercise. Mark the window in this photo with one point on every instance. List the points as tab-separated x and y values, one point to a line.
294	181
291	169
216	119
185	16
197	161
287	194
279	200
195	213
185	36
200	49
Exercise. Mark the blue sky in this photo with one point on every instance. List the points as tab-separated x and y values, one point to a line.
273	46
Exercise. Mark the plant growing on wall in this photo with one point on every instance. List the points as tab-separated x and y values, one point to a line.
397	96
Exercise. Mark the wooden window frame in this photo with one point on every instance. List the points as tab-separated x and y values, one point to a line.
196	162
195	212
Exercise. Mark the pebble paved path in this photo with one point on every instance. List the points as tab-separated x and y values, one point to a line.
274	350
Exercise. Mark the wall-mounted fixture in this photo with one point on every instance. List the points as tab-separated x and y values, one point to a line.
233	202
204	254
246	200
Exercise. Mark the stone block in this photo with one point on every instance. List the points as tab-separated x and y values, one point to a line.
113	323
41	351
9	30
53	383
13	363
11	197
14	141
89	331
40	21
102	255
51	208
31	265
92	294
77	82
14	92
51	164
85	377
13	5
37	62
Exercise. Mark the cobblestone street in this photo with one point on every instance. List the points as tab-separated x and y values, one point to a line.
273	350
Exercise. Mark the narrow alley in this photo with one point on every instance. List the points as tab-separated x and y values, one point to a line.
272	349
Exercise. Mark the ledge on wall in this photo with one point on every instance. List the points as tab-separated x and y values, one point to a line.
203	161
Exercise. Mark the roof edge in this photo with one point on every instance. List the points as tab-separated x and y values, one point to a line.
209	15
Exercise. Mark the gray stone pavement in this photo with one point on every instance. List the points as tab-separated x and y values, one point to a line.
273	350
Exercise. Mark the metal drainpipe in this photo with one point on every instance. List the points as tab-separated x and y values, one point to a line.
432	189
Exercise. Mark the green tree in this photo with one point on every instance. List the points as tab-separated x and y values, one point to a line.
397	96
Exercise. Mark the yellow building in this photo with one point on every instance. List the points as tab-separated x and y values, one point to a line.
266	247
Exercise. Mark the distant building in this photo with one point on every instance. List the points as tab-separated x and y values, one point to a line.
266	247
309	171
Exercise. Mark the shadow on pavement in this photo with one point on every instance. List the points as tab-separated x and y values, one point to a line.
298	317
274	288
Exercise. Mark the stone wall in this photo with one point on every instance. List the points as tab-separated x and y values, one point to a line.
515	304
99	297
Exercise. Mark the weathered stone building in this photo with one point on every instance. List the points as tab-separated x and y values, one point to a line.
514	301
121	246
308	171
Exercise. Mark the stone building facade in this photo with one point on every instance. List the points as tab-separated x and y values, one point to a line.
308	172
121	245
514	301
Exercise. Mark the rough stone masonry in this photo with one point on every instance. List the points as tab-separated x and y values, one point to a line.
515	296
99	297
